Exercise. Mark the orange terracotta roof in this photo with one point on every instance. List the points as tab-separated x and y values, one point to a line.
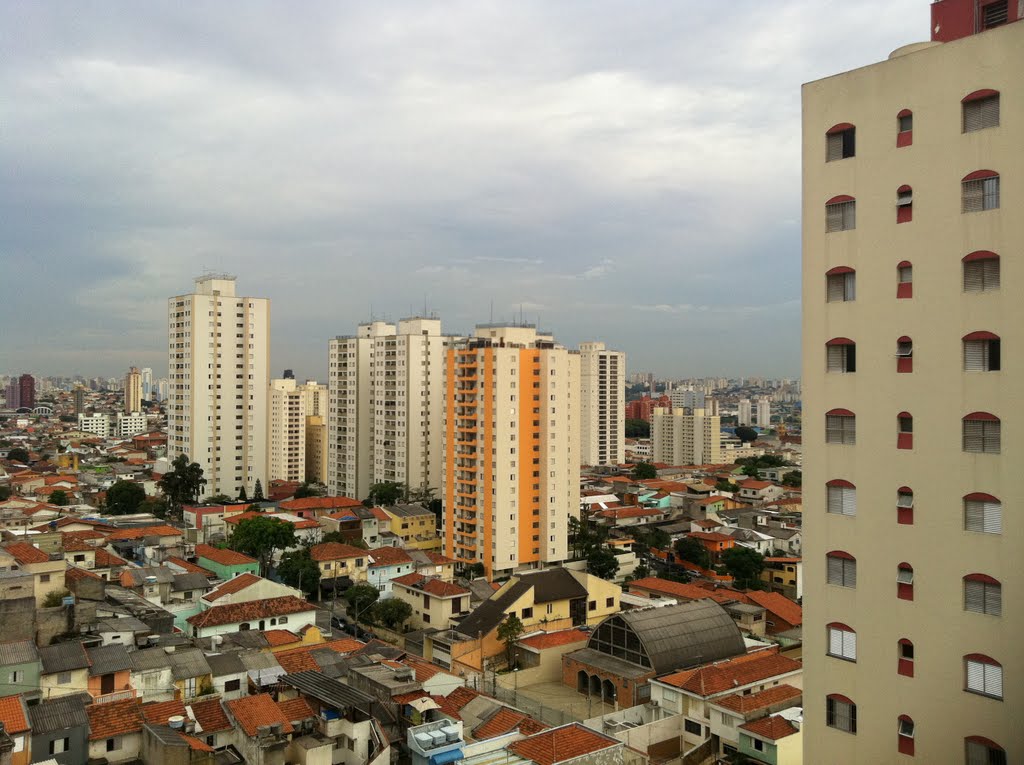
335	551
84	535
253	712
424	669
158	712
25	553
554	639
686	591
233	613
630	512
75	574
778	604
231	586
438	559
388	556
210	715
76	545
296	709
710	536
13	714
319	503
379	514
300	660
223	557
195	744
745	704
774	727
750	483
430	585
105	559
453	703
115	718
560	744
145	531
408	698
189	566
732	673
504	721
280	637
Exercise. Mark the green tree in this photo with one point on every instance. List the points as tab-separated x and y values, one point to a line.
728	486
260	537
360	597
5	493
385	494
183	483
638	429
257	492
792	478
641	571
603	563
392	612
155	506
648	537
693	551
219	499
509	631
55	598
745	566
243	496
124	498
745	434
308	490
644	471
59	497
752	472
18	454
474	570
297	569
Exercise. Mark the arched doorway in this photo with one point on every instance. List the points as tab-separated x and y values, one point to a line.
582	681
608	692
595	686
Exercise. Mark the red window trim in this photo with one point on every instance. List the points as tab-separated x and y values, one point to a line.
981	335
984	742
904	667
905	641
904	339
841	270
840	413
905	490
983	578
841	626
980	255
904	113
978	175
840	697
980	657
978	95
905	718
901	415
987	417
903	188
840	483
980	497
839	554
839	128
840	341
838	200
904	264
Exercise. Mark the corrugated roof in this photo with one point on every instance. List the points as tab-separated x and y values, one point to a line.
188	662
61	713
107	659
149	659
225	663
328	691
18	652
63	657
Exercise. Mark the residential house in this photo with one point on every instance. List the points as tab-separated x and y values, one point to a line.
340	565
170	746
60	730
320	507
178	593
78	552
110	674
19	669
572	742
64	669
774	739
228	674
433	563
208	519
415	525
15	723
263	731
190	672
212	724
148	545
714	542
753	490
224	563
386	564
434	602
115	731
784	575
244	588
257	615
543	652
47	569
307	531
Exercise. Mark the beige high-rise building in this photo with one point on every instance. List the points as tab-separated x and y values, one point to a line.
913	418
218	360
686	436
602	405
133	391
386	407
316	448
291	408
512	449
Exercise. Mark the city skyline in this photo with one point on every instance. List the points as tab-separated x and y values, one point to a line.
584	184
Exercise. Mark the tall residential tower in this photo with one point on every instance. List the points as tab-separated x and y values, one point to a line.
133	391
602	405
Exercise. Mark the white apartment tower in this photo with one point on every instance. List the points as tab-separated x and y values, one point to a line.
218	360
602	405
686	436
147	384
512	449
291	407
133	391
913	405
764	412
745	411
386	407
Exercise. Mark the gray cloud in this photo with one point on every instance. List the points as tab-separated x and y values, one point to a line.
588	161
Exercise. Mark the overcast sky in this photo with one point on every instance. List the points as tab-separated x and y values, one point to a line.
625	171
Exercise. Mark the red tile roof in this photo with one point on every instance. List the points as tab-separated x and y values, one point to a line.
231	586
74	574
388	556
233	613
319	503
745	704
438	559
424	669
430	585
190	566
105	559
158	712
504	721
145	531
280	637
560	744
732	673
75	545
685	591
194	743
630	512
774	727
223	557
335	551
453	703
253	712
778	604
750	483
13	714
296	709
710	536
300	660
379	514
115	718
554	639
210	715
25	553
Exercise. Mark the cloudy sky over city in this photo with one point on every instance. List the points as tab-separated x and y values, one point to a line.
625	171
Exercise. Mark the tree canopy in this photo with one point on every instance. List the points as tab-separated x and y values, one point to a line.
18	454
603	563
183	483
638	429
509	631
745	434
125	498
385	494
257	492
297	569
360	597
392	612
59	497
745	565
728	486
308	489
792	478
644	471
692	551
260	537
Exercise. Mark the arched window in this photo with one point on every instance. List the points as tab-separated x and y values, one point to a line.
840	713
840	214
904	354
905	735
904	279
840	142
983	751
243	627
980	191
905	431
980	110
842	641
904	204
981	433
905	658
842	497
840	427
981	352
983	513
841	568
840	284
983	595
905	581
984	675
841	355
905	506
904	128
981	271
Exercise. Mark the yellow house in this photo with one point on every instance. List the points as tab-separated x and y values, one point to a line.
338	560
783	574
415	525
434	601
47	569
64	669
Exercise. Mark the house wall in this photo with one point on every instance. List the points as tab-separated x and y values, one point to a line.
293	622
229	572
627	692
130	746
50	688
77	750
261	590
28	681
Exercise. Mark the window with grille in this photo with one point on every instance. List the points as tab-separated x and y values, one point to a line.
995	14
842	498
842	216
981	352
841	714
841	429
981	434
980	194
983	595
984	676
981	112
981	272
840	142
842	642
904	204
981	751
983	513
841	286
841	569
841	355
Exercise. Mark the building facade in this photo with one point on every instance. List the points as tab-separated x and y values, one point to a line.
133	391
512	448
913	429
386	407
291	407
602	405
218	359
686	437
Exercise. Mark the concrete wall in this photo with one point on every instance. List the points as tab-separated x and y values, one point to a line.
17	619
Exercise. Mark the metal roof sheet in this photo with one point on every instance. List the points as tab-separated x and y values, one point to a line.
107	659
52	715
18	652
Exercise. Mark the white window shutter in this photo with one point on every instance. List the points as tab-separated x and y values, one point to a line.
835	500
834	147
991	437
849	500
849	644
834	218
992	518
990	273
850	281
994	599
974	597
974	276
993	680
850	573
835	570
835	641
836	358
973	436
835	288
989	111
975	676
975	355
973	197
